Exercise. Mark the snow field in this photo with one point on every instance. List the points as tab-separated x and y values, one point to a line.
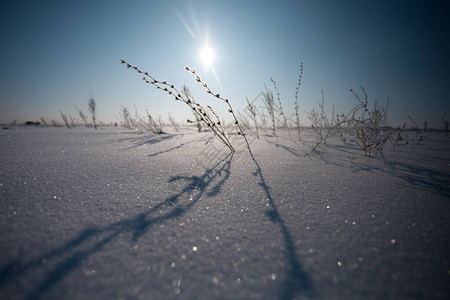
122	215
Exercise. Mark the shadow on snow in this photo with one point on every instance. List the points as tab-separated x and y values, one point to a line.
70	256
94	239
297	281
145	139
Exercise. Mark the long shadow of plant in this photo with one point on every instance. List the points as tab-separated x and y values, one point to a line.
417	171
421	176
70	256
289	149
297	281
146	139
180	146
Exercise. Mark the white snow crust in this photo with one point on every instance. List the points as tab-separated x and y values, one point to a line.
113	214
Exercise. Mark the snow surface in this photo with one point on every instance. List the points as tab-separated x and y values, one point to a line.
111	214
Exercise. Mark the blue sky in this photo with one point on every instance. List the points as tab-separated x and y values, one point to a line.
55	54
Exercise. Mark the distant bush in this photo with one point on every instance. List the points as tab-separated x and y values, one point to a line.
30	123
93	110
368	128
270	107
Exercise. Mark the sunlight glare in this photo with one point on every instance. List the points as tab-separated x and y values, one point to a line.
207	55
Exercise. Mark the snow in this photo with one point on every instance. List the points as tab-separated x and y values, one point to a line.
114	214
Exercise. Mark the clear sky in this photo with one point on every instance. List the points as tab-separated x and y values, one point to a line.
55	54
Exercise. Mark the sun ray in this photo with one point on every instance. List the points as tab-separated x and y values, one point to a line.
218	80
188	28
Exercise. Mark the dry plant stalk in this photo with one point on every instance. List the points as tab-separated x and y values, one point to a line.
395	141
154	125
371	127
280	108
270	106
173	123
263	118
418	131
230	109
253	112
323	127
125	117
203	115
368	127
83	117
297	114
65	119
93	110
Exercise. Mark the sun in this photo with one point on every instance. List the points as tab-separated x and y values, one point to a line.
207	55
